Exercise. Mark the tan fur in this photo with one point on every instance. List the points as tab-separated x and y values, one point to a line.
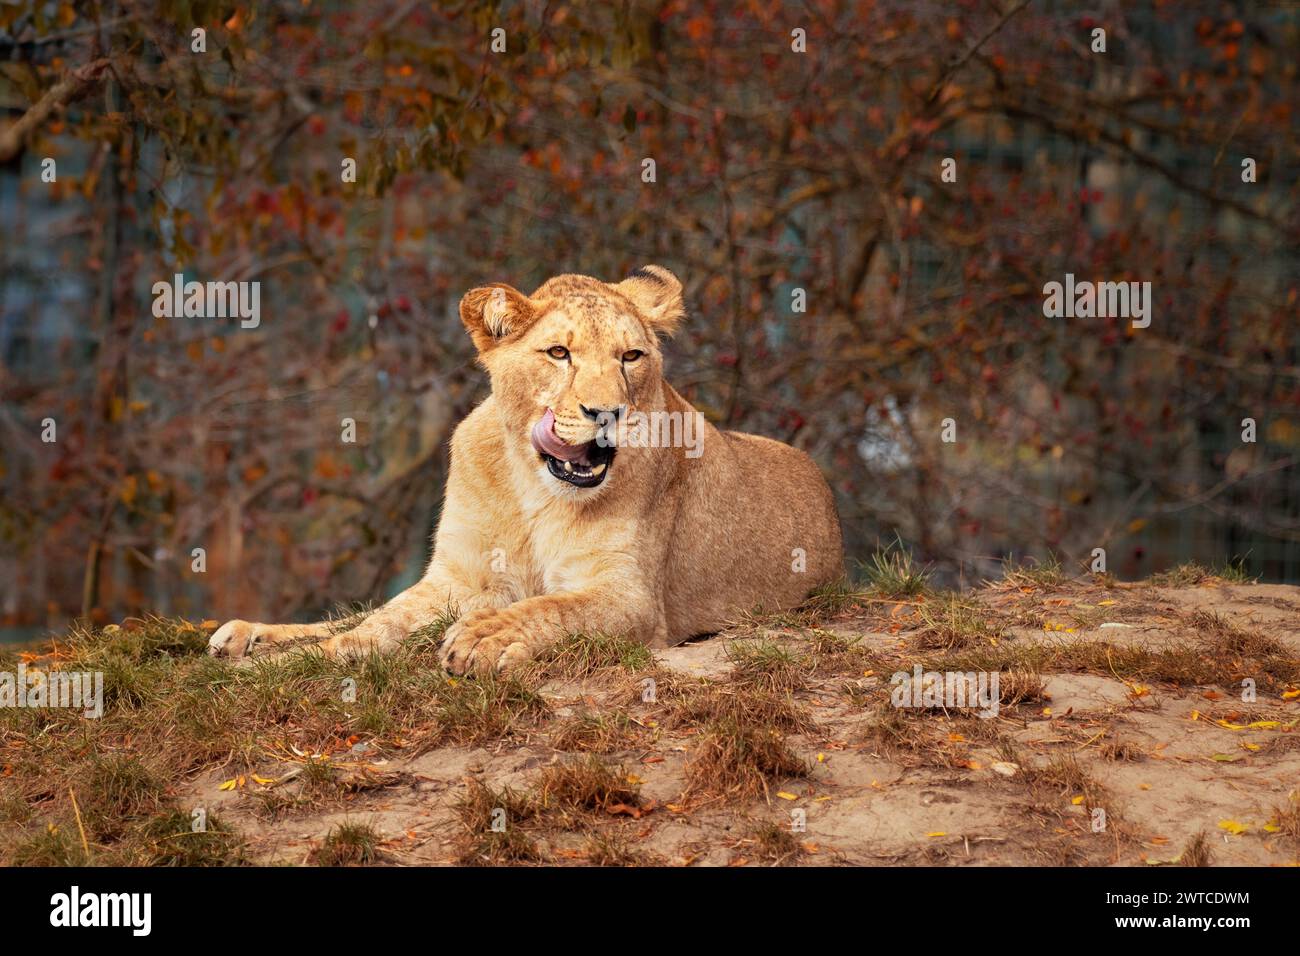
669	546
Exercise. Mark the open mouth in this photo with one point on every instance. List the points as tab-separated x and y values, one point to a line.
583	466
586	473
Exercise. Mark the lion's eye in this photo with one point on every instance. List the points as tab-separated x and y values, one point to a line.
558	352
631	355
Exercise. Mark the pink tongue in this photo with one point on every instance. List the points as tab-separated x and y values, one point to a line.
545	440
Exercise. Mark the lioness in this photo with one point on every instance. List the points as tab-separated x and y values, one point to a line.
565	514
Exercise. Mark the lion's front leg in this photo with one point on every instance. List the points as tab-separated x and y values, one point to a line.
499	639
236	639
381	630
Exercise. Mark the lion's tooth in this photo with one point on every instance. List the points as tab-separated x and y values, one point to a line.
598	470
568	466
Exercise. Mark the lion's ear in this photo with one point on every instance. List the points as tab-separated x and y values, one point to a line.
492	312
657	294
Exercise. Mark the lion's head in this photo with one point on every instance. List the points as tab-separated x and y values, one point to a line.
570	361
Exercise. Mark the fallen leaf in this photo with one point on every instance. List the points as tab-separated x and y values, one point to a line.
1233	827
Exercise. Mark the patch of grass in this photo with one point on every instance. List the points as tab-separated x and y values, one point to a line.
773	844
1286	817
1185	575
318	777
584	784
1250	651
484	709
830	599
1198	851
170	839
613	848
1183	665
349	844
891	573
708	702
1021	685
822	602
51	845
598	732
896	731
495	823
1234	572
580	656
831	653
766	665
14	809
1191	573
738	760
426	640
172	711
1062	774
950	622
119	788
1041	575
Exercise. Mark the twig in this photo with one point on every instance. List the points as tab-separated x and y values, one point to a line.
15	135
77	811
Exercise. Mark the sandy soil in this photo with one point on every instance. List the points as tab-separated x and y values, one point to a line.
1165	761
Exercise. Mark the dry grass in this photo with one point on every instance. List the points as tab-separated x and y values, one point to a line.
1042	575
1198	851
596	732
615	848
584	784
495	825
772	844
951	622
1286	817
707	702
739	760
581	656
349	844
171	712
767	666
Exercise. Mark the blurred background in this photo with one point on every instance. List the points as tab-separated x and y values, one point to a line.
842	296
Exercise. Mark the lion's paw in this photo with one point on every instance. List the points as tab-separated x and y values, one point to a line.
239	640
485	642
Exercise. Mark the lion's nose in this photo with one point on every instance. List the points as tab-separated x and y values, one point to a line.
603	414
